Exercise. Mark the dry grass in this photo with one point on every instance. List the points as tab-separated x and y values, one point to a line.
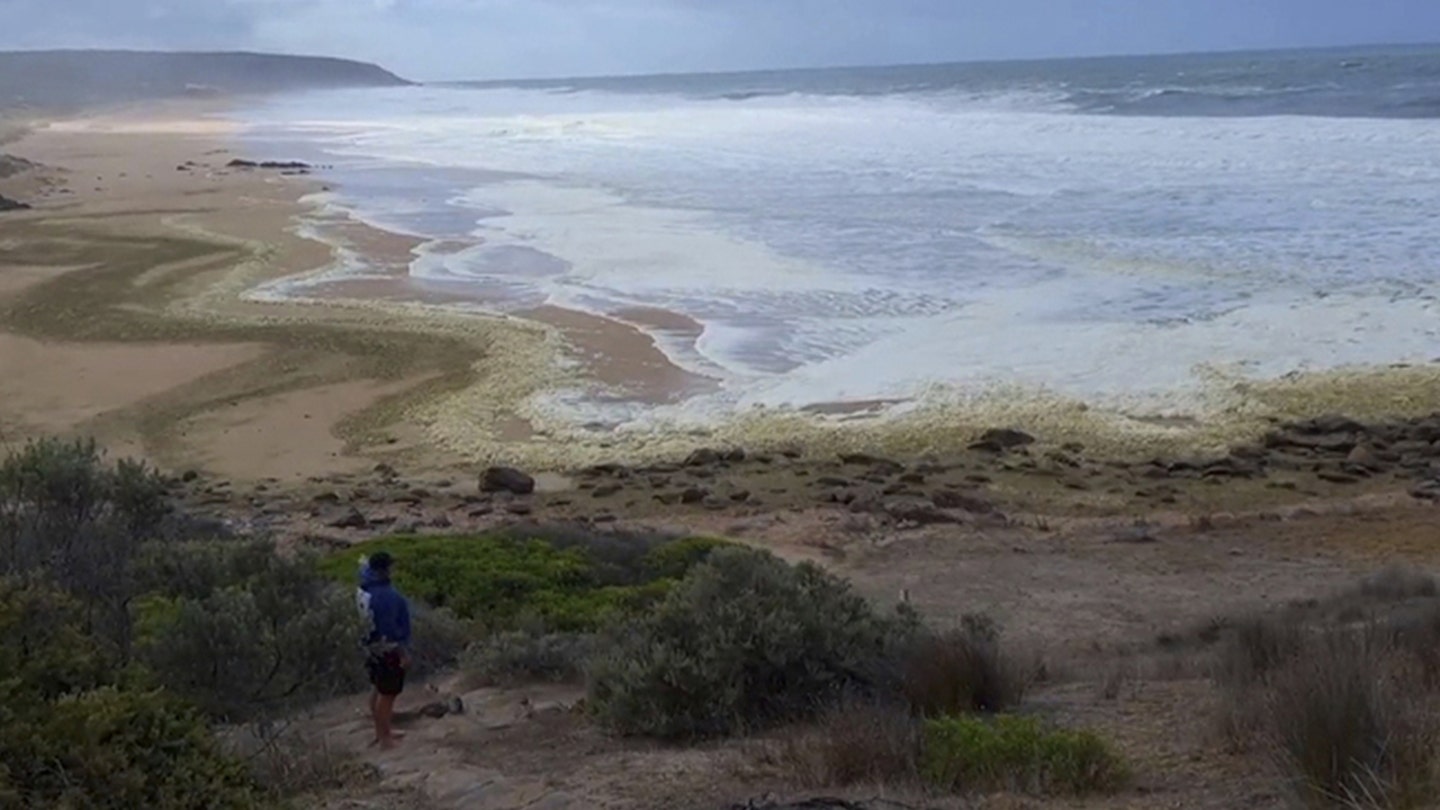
859	742
289	764
961	671
1344	694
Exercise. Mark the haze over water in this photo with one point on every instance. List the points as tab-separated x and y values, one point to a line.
1116	230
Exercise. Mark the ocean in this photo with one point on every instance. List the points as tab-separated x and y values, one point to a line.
1145	234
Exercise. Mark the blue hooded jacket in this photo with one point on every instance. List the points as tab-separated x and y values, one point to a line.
389	611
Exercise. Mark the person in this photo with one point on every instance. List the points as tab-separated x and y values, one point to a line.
386	645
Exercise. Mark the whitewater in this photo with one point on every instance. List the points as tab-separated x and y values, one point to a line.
1143	236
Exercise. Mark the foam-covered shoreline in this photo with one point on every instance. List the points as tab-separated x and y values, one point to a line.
571	403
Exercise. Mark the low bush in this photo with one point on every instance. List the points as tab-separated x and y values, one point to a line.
857	742
283	638
743	642
960	671
500	581
286	764
1353	726
1350	707
519	657
438	638
77	730
69	516
1017	754
1256	647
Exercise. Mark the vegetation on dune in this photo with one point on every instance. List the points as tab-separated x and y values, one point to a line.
503	581
127	631
1017	754
124	630
746	641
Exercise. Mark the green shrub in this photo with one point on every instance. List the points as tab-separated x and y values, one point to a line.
118	748
285	638
68	516
517	657
616	557
77	731
196	569
500	581
745	641
675	559
1018	754
437	640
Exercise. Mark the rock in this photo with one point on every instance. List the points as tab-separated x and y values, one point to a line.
832	481
694	495
912	478
916	510
481	511
7	204
734	455
1428	491
506	479
519	508
1139	534
441	708
703	457
1231	467
952	499
740	496
867	460
1336	477
605	490
291	165
410	526
352	519
326	497
1002	439
1365	458
605	469
1330	423
190	476
1326	442
386	471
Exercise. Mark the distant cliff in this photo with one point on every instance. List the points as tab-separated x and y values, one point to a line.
48	79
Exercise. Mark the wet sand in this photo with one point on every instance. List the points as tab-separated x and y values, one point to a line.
129	314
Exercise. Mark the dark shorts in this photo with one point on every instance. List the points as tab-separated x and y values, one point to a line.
386	673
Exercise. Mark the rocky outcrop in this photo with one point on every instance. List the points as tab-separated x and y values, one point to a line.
7	204
11	166
506	479
998	440
292	165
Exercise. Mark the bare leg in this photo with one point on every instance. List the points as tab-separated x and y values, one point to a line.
384	713
375	715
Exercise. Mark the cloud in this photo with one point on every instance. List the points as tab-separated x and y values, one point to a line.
498	38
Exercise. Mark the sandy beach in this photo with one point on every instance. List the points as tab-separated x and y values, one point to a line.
126	316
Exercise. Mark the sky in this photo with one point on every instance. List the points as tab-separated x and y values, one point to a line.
480	39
